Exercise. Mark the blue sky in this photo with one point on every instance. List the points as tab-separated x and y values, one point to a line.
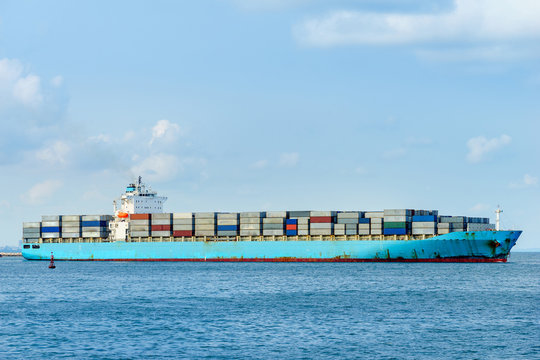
238	105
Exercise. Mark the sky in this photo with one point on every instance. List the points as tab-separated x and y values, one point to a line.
239	105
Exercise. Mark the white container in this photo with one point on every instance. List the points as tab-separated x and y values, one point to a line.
161	233
186	221
321	225
204	215
250	227
272	232
320	213
31	225
273	220
164	216
227	221
250	221
227	216
276	214
184	215
205	227
247	232
161	221
204	221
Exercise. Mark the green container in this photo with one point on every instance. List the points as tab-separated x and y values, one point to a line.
395	225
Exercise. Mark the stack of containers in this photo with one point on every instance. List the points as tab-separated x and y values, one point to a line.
451	224
95	226
397	221
347	223
205	224
51	226
364	226
31	231
424	224
161	224
250	223
182	224
139	225
321	222
376	219
274	223
291	227
479	224
339	229
227	224
71	226
302	220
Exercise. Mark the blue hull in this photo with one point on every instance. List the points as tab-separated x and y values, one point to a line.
458	246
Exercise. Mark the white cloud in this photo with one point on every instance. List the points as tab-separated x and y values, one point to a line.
57	81
165	130
527	181
56	153
497	52
158	167
18	88
260	164
469	20
41	191
101	138
289	159
480	146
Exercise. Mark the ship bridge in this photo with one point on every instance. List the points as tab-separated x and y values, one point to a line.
140	199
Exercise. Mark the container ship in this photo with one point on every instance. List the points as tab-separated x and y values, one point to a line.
139	230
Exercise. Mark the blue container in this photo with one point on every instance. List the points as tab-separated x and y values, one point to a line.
424	218
363	221
400	231
50	229
291	232
227	227
291	221
102	223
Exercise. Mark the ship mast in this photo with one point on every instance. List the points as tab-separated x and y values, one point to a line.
498	218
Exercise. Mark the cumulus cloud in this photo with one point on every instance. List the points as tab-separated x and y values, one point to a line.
165	130
527	181
480	146
16	87
158	167
57	81
470	20
56	153
260	164
289	159
41	191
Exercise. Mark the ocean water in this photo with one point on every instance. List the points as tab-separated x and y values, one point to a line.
160	310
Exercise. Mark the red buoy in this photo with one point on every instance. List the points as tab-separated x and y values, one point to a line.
51	264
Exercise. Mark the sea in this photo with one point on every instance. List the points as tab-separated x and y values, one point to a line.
177	310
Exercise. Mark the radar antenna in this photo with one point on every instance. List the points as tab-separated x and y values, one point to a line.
498	218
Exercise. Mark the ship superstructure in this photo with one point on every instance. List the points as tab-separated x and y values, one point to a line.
140	230
138	199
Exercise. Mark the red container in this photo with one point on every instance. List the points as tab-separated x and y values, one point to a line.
178	233
320	219
139	216
291	227
161	227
